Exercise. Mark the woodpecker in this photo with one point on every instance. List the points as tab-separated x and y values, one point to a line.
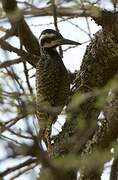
52	82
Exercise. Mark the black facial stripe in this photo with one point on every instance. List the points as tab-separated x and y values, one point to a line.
48	40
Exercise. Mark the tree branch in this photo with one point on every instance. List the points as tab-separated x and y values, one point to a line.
21	29
21	53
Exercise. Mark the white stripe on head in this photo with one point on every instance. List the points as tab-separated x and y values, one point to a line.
53	43
43	36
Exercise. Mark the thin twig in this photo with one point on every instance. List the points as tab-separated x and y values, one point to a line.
22	53
9	139
27	78
55	23
20	172
11	62
17	167
86	18
18	134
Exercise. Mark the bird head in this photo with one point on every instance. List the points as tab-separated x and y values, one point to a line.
50	38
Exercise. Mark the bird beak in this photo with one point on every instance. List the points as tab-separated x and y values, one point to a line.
67	41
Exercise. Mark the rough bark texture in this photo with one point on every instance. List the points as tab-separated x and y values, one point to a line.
98	67
100	64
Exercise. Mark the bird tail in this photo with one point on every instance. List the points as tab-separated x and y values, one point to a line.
45	123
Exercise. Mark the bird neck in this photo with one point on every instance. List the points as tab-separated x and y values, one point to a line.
50	51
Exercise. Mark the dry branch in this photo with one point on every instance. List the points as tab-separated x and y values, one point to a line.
21	29
19	52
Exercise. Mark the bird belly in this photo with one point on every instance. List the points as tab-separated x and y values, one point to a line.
52	85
